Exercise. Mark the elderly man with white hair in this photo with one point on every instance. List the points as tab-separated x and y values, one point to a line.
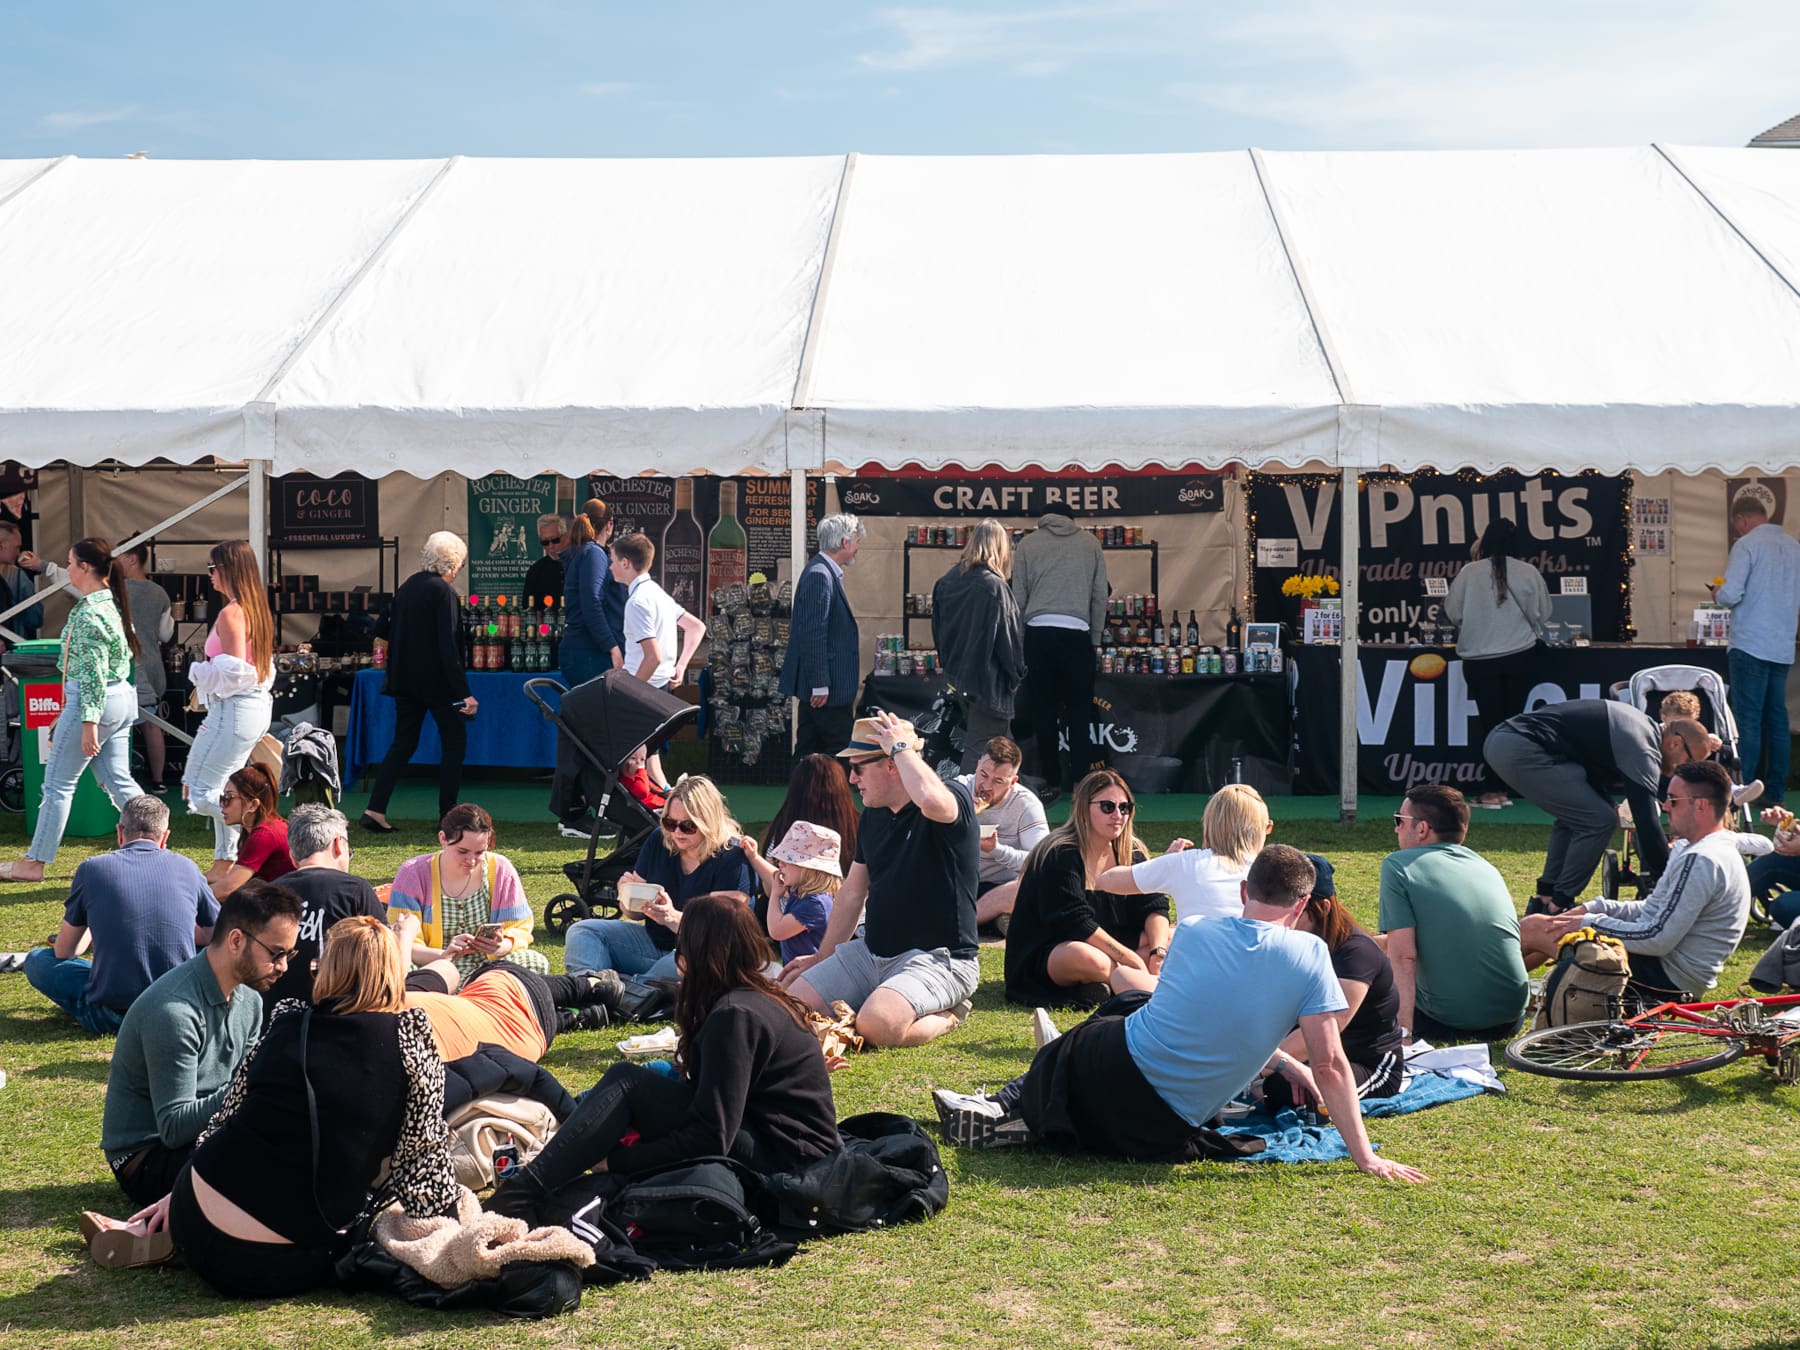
823	667
425	676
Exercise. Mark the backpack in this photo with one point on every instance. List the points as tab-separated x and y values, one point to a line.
692	1215
1779	967
484	1125
1587	982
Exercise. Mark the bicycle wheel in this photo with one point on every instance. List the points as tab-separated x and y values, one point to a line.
1613	1052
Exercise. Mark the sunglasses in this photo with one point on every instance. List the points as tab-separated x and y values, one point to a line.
278	955
866	760
680	826
1108	807
229	797
551	542
211	568
1401	820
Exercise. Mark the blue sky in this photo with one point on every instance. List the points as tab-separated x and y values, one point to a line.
661	77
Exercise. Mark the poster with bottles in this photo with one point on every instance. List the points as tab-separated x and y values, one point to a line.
503	543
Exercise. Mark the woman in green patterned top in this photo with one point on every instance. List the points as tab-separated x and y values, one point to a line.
99	703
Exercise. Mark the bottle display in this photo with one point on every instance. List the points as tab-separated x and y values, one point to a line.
681	555
727	548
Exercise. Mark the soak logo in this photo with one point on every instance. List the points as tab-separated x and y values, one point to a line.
1119	737
860	498
1424	703
43	705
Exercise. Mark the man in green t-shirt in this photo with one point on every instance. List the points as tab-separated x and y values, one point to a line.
1452	933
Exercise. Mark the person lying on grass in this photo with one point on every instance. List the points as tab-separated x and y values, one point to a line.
1143	1085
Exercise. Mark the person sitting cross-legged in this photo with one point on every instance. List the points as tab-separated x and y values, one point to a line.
1143	1085
1452	933
144	909
184	1036
1068	936
912	974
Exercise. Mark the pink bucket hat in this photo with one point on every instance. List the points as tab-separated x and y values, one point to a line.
810	846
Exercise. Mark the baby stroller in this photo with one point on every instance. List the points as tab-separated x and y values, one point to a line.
1644	691
600	723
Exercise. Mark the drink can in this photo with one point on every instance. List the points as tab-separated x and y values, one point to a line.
1274	663
1156	661
1231	663
1214	664
903	663
1106	661
506	1159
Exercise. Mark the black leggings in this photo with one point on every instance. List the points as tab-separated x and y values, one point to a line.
234	1266
409	721
629	1097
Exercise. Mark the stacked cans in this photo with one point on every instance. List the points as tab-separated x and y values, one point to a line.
1119	536
1186	661
894	657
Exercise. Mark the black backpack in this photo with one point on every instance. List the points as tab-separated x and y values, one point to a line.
692	1215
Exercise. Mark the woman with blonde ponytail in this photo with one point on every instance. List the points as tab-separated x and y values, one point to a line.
99	703
233	685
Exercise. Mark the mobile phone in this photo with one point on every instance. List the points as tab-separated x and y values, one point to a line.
489	932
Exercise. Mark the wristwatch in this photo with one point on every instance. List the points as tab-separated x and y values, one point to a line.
1159	951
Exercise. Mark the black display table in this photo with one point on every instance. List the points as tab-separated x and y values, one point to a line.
1162	733
1413	715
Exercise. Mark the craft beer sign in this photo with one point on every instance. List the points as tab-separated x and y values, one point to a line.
310	512
927	498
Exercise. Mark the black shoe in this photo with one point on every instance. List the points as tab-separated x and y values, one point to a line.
1048	795
1540	905
374	826
594	1017
609	989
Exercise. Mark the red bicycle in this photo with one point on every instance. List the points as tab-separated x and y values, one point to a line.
1668	1041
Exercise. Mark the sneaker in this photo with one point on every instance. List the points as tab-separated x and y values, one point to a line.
11	962
575	829
1540	904
1746	792
609	989
1043	1030
978	1121
960	1013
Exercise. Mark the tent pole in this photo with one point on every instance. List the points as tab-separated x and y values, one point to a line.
797	557
1350	666
259	515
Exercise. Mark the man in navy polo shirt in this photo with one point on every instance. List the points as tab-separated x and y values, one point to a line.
146	909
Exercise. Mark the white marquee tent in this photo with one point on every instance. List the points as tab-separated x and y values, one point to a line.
1620	309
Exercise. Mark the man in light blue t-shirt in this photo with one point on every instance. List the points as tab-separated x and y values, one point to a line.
1143	1085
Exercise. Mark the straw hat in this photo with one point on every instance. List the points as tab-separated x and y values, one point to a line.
811	846
863	740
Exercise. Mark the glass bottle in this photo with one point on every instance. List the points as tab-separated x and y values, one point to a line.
1193	628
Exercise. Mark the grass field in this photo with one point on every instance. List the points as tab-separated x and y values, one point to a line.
1558	1214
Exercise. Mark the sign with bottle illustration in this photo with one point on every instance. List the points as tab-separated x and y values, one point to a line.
710	533
1416	527
1023	497
503	543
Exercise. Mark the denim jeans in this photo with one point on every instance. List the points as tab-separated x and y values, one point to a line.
616	944
1775	878
221	747
65	984
62	771
1758	698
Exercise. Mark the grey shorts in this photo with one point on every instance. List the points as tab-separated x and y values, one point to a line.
932	981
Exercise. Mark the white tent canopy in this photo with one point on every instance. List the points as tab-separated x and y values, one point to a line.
1564	309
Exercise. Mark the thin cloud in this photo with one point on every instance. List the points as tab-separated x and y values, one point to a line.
64	122
607	88
1032	42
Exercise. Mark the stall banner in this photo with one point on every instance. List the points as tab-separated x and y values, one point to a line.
934	498
1184	734
1423	525
762	509
1415	720
503	542
1770	492
306	511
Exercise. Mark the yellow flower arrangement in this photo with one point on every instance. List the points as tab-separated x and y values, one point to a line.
1310	587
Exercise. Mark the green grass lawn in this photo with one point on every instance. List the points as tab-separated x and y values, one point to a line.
1558	1214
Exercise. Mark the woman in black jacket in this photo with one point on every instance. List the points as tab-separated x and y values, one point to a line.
753	1082
333	1096
425	675
1068	936
975	626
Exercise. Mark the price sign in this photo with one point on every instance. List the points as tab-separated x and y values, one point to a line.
1574	586
1437	587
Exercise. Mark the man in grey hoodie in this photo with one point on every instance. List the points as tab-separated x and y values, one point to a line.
1059	580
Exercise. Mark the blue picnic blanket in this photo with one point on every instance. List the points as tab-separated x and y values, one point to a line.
1287	1139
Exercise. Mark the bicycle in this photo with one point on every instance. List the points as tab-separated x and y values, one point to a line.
1668	1040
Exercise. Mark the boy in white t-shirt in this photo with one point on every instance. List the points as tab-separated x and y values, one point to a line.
654	624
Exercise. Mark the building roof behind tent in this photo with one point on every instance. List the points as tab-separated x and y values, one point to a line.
626	316
1781	134
1064	310
1542	309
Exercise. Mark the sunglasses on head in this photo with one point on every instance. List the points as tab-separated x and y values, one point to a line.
680	826
1108	807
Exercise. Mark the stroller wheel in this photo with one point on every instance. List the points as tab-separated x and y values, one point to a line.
565	910
12	790
1609	874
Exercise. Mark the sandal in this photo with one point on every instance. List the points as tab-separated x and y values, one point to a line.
6	874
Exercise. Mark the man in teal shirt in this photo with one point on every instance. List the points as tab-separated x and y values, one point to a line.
182	1039
1451	930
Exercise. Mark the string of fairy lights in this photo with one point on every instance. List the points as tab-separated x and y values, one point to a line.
1621	529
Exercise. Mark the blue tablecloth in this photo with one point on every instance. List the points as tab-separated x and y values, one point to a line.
507	730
